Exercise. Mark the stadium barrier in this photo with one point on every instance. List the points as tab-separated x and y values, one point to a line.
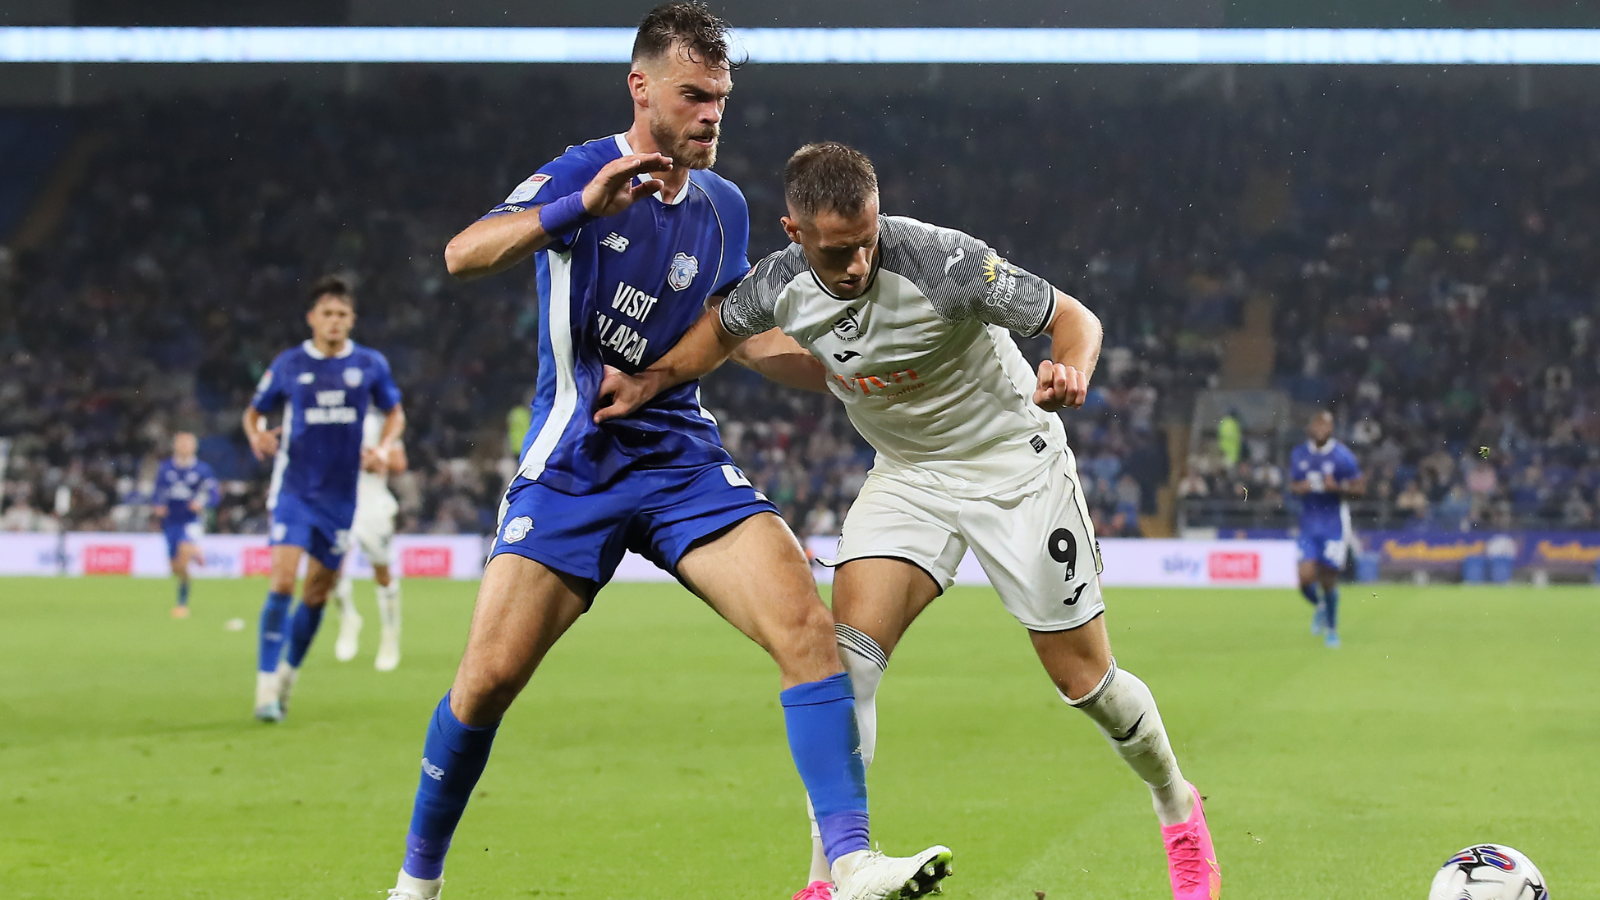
1127	562
226	555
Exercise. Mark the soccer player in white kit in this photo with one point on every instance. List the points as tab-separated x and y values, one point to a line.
373	531
908	325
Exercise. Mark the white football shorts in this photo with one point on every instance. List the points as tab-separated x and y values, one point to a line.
374	534
1036	543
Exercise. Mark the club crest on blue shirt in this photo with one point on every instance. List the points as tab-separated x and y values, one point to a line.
352	377
684	269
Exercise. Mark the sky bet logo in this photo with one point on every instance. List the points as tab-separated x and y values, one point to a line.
330	410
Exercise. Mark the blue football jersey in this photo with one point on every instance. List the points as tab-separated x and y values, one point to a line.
621	292
1322	511
325	400
177	486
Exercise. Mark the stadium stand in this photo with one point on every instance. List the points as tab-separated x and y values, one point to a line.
1273	245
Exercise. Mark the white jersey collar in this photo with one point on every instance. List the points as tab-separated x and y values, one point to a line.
312	351
622	144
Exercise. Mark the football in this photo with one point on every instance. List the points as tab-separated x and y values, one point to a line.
1488	872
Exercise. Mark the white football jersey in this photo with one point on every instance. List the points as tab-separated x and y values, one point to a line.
373	497
924	360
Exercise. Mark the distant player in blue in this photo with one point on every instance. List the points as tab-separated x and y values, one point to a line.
1325	474
631	234
185	486
324	387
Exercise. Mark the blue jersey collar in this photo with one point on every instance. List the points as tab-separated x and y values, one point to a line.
312	351
622	144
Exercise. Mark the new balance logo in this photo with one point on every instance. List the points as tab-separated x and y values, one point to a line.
431	770
615	241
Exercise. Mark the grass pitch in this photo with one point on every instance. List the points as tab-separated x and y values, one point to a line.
648	760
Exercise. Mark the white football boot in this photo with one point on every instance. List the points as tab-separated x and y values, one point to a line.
408	888
388	651
287	676
869	875
267	706
349	642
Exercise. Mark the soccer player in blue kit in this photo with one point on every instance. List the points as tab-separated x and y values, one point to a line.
1324	473
185	486
324	386
631	234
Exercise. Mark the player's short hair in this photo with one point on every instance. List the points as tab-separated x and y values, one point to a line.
829	176
702	35
336	286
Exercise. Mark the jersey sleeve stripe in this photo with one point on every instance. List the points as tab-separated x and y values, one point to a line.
566	400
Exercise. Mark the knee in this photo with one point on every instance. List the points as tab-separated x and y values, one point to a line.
482	693
802	641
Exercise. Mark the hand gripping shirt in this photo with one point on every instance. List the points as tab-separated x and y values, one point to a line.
924	361
620	291
324	400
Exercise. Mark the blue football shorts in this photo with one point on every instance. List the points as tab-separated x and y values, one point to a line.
1326	550
296	523
657	513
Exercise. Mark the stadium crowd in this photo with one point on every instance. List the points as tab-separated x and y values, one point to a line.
1435	289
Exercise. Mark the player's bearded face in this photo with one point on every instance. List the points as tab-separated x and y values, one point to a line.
687	99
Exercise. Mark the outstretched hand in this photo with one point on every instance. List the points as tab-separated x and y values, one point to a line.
1060	386
622	394
612	190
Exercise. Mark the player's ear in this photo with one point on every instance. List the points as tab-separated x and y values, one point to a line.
639	86
791	228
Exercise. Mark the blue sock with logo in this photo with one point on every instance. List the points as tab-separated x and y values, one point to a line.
274	614
821	720
453	757
1309	591
1330	611
183	593
307	619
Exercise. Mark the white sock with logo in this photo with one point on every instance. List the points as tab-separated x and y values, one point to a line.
1124	710
389	607
865	661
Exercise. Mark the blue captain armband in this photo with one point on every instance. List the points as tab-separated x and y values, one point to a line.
560	218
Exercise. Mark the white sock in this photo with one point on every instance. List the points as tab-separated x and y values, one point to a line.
428	889
389	606
344	592
865	661
1125	712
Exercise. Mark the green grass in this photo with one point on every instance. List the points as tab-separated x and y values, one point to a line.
647	759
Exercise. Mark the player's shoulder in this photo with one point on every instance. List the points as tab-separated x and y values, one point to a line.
908	240
775	271
723	193
586	158
291	356
370	355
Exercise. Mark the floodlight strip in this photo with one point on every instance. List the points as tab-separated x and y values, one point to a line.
1250	46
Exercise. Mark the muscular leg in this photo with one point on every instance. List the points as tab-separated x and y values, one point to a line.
1308	582
874	601
388	591
1328	577
1079	662
308	615
756	576
275	612
180	570
523	607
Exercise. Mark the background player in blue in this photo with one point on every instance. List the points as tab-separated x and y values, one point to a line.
324	386
185	486
1324	472
632	234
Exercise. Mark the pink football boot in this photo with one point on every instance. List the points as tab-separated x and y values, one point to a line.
1191	858
816	890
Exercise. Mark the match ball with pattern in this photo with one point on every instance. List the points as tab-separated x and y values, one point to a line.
1488	872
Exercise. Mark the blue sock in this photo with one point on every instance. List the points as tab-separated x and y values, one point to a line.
1309	591
821	720
273	615
183	593
307	619
1330	612
453	757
